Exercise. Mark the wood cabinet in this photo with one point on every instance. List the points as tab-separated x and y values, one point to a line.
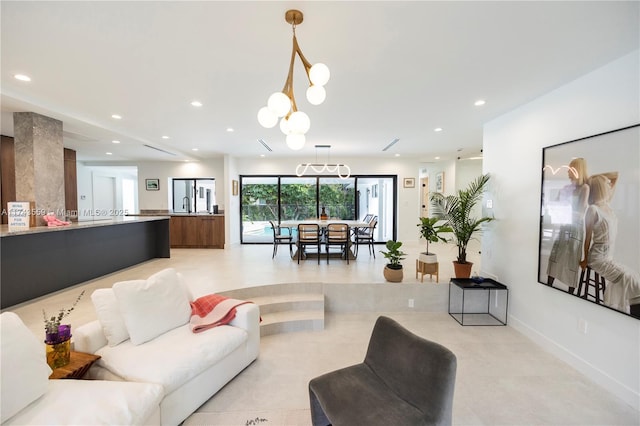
205	231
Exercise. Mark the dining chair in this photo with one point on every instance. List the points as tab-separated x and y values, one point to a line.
338	235
365	236
308	235
281	238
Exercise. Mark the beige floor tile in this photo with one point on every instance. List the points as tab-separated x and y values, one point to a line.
503	378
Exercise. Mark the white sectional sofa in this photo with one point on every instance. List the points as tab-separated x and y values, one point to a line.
28	397
143	335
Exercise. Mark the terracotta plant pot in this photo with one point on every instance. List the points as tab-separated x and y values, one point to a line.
393	275
462	270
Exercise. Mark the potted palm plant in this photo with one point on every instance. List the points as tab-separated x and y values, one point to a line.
430	231
456	210
393	270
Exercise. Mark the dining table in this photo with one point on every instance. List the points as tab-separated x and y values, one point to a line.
353	225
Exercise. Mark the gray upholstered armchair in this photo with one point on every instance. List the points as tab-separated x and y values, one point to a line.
404	380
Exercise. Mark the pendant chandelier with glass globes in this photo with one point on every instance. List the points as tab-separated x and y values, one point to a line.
294	124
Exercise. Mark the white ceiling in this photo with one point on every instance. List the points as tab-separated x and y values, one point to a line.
398	70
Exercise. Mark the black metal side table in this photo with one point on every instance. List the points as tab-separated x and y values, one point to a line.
478	301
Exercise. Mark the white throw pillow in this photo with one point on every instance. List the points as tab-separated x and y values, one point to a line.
108	313
153	307
25	373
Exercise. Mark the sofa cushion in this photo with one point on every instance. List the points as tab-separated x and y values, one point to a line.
25	373
108	313
173	358
92	402
154	306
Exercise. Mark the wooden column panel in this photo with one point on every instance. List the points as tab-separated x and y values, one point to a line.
7	174
70	184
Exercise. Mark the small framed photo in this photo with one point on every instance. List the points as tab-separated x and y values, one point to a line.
152	184
409	182
440	182
234	187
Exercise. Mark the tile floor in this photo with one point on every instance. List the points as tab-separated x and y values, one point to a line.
503	378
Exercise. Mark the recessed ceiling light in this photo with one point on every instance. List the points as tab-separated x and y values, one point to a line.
194	149
108	153
196	103
479	102
115	141
437	129
437	158
165	137
116	116
22	77
396	155
230	129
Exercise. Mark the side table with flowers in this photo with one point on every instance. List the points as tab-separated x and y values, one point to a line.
58	337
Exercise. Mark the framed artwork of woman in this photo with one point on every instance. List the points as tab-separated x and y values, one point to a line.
589	209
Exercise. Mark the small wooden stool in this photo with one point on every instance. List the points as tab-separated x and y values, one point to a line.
77	367
427	268
597	282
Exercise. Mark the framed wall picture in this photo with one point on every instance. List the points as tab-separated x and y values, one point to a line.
590	194
152	184
234	187
409	182
440	182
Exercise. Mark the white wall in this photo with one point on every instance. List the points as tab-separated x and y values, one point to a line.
232	215
166	170
225	169
86	193
603	100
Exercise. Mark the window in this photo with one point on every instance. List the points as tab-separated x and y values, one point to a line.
194	195
280	198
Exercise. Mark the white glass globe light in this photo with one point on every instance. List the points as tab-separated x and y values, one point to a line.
295	141
267	118
299	122
284	126
279	104
316	94
319	74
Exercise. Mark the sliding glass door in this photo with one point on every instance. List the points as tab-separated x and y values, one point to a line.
298	197
258	205
377	197
280	198
337	197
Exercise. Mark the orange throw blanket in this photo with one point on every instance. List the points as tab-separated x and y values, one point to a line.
211	311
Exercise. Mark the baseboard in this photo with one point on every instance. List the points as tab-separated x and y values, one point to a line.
622	391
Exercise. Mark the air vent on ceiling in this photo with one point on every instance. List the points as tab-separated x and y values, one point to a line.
159	149
77	137
392	143
267	147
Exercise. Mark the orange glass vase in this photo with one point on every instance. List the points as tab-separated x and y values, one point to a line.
58	354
